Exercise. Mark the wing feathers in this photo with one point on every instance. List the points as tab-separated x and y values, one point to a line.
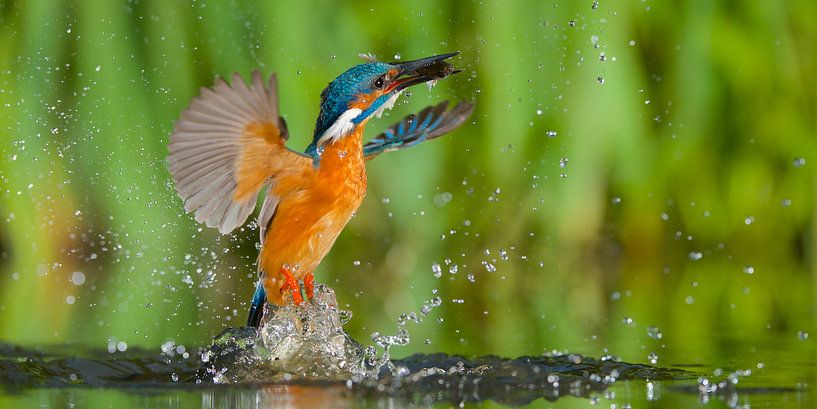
199	199
429	123
266	214
225	147
201	179
197	160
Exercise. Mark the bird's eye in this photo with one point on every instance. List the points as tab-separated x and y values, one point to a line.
380	81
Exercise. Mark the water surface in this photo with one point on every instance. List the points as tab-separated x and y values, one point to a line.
761	375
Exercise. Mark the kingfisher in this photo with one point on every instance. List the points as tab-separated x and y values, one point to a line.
230	144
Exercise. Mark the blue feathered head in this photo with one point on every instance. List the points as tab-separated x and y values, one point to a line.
367	89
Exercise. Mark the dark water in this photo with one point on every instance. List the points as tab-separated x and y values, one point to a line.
69	377
420	378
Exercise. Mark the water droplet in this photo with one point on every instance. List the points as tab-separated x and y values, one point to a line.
654	333
798	162
689	300
442	199
595	4
749	270
594	39
748	220
628	322
551	134
696	255
600	80
653	358
572	23
802	335
632	43
401	371
78	278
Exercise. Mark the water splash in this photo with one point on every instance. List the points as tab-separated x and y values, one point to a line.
306	342
381	364
292	342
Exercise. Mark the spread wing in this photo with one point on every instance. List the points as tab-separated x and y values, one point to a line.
226	147
430	123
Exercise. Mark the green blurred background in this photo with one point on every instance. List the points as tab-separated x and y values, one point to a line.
637	164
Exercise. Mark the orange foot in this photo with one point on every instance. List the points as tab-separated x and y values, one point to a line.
290	284
309	286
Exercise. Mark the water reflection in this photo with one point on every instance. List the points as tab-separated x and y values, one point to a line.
329	395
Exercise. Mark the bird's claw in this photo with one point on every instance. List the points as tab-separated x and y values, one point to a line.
291	284
309	286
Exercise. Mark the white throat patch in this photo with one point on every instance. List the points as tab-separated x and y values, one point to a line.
341	127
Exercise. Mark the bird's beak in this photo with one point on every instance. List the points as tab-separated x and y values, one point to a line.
420	71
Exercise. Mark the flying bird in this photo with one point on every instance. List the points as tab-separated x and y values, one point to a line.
229	145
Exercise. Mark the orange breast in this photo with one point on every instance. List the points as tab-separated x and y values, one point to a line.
308	220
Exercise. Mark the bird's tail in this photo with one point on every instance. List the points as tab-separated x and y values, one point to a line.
257	306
